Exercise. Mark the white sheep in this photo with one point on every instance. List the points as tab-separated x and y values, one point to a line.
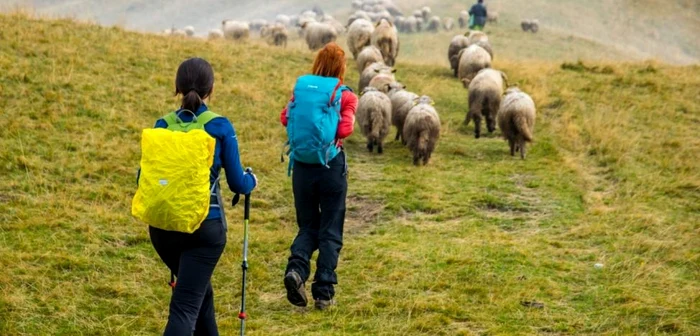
368	55
372	71
360	36
421	130
318	34
402	102
374	117
236	30
485	93
516	119
471	61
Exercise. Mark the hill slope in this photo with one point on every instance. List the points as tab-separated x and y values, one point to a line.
451	248
629	29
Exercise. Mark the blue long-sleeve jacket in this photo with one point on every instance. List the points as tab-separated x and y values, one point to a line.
479	12
226	156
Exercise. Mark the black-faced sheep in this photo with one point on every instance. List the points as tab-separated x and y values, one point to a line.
485	93
368	55
421	131
359	36
374	117
318	34
458	43
516	119
373	70
471	61
386	38
402	102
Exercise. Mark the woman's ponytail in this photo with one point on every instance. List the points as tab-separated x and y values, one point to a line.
191	101
195	82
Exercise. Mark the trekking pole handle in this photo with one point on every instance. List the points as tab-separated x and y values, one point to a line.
246	209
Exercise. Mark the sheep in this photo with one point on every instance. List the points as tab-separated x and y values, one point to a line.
283	20
363	15
471	61
401	102
368	55
385	37
426	12
411	24
216	34
421	131
418	13
318	34
463	19
458	43
235	30
534	26
372	71
487	46
189	31
476	36
525	25
392	8
359	36
419	24
374	117
449	24
339	28
276	35
382	82
516	119
485	93
356	4
492	16
434	24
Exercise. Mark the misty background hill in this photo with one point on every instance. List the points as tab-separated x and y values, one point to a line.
668	30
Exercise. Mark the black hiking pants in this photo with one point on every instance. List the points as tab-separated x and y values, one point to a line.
192	257
319	198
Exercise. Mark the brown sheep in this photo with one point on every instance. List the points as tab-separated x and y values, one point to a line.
368	55
374	117
421	130
386	39
371	71
458	43
401	103
485	93
516	118
471	61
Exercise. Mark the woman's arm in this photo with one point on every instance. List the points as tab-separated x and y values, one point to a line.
238	181
348	106
283	115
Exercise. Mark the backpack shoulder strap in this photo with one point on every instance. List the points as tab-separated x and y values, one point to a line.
206	117
170	119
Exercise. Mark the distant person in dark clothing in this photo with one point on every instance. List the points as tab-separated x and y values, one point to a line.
478	16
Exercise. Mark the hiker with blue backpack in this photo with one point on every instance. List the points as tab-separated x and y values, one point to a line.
180	198
320	114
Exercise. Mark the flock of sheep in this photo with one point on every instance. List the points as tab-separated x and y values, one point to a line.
373	40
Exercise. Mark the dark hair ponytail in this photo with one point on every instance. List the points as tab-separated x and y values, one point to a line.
195	81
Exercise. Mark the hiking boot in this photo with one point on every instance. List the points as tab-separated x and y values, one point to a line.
295	289
323	304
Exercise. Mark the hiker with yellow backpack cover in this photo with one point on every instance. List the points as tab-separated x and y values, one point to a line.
179	196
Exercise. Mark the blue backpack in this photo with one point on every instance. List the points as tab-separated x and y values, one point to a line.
312	120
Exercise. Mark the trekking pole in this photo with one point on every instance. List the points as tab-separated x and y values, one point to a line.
244	266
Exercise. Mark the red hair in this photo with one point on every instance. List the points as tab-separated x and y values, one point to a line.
330	62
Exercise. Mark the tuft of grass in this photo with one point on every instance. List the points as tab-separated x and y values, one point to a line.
452	248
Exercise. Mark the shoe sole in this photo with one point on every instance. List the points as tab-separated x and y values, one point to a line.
295	295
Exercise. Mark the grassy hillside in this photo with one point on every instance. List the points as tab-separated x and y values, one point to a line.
571	29
448	249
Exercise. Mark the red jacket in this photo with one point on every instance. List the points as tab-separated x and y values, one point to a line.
348	106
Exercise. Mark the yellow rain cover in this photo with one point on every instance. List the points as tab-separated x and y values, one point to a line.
174	188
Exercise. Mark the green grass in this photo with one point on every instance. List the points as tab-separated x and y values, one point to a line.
447	249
